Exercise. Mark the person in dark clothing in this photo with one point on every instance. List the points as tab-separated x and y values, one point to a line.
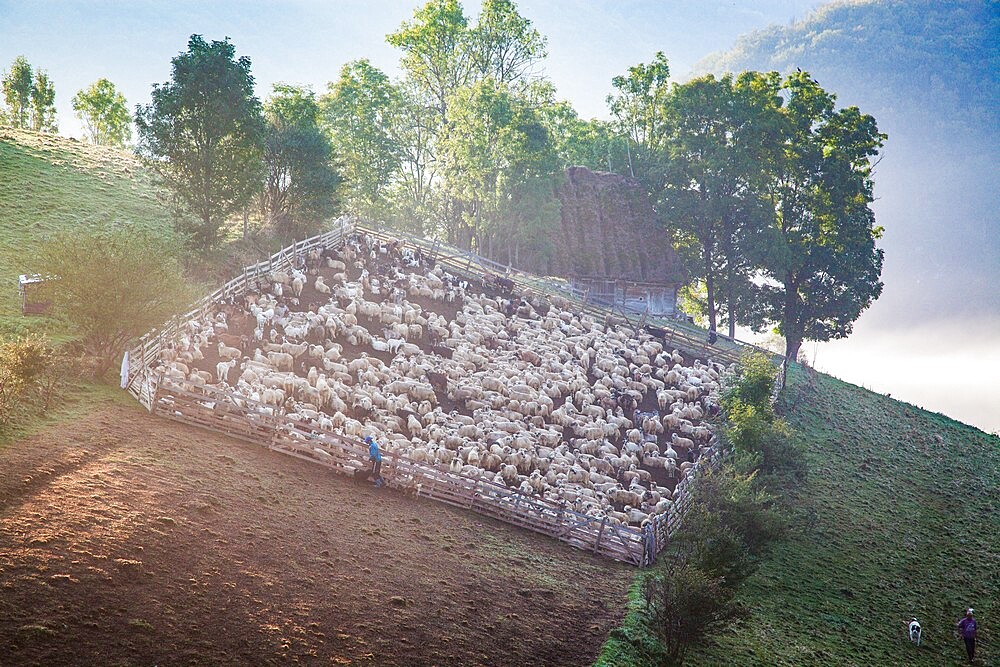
375	456
967	629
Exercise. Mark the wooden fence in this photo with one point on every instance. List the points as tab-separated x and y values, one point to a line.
235	416
243	418
147	350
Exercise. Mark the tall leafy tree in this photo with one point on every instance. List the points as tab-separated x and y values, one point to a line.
638	108
504	46
104	113
707	182
435	47
17	87
448	62
589	143
414	134
205	129
300	183
496	147
825	267
43	104
358	111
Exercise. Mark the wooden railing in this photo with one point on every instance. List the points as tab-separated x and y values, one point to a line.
239	417
149	347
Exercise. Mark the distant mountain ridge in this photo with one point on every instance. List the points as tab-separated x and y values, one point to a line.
927	60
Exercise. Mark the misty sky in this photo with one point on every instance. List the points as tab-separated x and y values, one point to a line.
906	333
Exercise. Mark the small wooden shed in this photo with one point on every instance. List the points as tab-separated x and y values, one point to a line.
656	298
29	289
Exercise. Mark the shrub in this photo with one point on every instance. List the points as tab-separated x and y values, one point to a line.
683	604
23	362
753	383
730	522
113	284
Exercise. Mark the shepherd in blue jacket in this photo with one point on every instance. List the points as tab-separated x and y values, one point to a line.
375	456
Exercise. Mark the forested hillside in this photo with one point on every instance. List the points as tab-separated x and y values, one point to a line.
938	62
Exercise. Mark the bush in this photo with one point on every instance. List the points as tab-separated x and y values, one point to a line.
23	362
753	383
730	522
683	604
781	459
113	285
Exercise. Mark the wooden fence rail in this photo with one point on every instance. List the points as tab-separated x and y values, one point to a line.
149	347
217	410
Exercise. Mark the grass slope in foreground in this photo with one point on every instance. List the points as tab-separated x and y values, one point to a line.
50	183
900	517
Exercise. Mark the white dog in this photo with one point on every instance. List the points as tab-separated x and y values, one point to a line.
915	632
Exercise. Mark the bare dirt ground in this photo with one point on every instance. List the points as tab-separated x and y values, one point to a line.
126	539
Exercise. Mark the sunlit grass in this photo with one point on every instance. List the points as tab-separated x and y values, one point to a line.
899	518
52	184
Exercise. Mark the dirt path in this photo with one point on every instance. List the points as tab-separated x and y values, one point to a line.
126	539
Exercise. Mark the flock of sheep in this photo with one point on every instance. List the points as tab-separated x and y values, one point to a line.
523	392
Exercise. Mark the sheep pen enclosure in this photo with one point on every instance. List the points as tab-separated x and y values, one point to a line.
489	390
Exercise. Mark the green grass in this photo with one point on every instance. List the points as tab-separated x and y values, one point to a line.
631	644
51	184
899	517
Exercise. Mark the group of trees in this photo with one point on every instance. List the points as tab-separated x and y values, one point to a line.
470	144
766	187
763	183
30	98
223	152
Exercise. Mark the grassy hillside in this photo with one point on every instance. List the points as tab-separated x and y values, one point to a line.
899	517
50	183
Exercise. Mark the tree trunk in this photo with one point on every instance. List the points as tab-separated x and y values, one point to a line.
709	289
791	327
792	346
732	319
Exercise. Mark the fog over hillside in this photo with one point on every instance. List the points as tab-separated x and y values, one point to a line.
929	73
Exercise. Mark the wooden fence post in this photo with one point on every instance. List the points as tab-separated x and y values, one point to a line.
600	534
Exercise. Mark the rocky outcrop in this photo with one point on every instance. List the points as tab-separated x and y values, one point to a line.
608	229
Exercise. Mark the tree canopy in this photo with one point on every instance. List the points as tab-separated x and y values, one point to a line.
766	188
473	128
300	179
17	84
104	113
30	97
359	113
112	284
825	267
204	129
